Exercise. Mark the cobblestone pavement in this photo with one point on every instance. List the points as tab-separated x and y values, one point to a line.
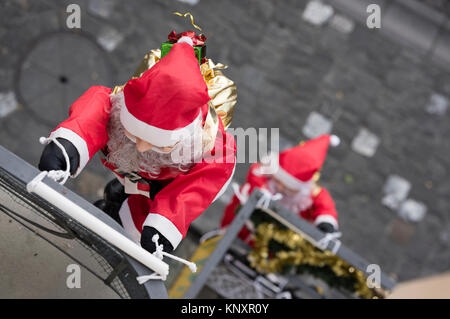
387	103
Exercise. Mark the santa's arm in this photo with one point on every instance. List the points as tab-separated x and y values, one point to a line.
324	209
86	126
253	180
177	205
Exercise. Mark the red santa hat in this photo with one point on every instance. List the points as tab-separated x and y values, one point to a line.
167	100
298	165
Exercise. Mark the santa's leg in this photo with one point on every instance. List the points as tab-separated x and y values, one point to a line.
127	222
113	197
133	213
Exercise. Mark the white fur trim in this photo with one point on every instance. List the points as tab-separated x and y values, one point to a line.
165	227
79	144
186	40
225	186
335	140
128	223
326	219
289	180
152	134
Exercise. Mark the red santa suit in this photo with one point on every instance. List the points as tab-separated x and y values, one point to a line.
297	167
169	98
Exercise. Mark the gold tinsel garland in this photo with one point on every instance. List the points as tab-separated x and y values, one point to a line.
302	253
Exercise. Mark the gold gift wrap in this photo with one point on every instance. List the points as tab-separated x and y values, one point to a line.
301	253
221	90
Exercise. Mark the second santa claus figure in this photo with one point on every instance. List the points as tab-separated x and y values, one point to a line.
295	178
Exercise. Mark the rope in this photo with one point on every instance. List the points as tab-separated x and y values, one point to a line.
55	175
242	196
266	197
159	253
323	242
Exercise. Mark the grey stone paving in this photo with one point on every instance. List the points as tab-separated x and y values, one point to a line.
285	68
365	143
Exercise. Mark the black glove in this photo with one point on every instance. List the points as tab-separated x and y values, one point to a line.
146	240
52	157
326	227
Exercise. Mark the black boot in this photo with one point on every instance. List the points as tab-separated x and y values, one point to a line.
113	197
101	203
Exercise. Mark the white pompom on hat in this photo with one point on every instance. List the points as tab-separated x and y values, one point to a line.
335	140
186	40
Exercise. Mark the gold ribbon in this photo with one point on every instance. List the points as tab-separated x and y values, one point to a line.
190	15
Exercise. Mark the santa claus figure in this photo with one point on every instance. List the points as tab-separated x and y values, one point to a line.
163	136
296	180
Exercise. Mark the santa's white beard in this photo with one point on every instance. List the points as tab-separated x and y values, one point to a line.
123	154
297	202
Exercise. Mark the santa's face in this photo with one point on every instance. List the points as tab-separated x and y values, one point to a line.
132	154
296	200
144	146
282	188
